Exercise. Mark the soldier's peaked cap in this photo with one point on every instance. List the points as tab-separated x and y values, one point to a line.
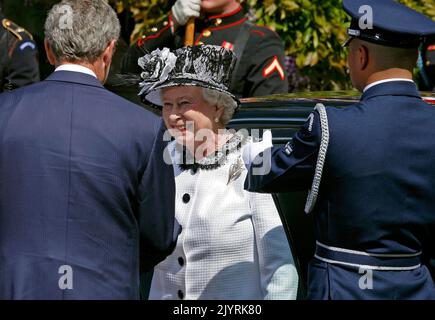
388	23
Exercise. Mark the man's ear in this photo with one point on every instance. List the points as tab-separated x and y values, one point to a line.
49	52
108	53
364	56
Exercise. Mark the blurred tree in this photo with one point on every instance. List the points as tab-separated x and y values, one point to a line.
146	13
312	31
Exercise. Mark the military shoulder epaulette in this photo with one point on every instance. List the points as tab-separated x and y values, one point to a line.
16	30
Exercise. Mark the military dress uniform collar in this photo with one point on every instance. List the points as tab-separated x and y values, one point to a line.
400	87
225	19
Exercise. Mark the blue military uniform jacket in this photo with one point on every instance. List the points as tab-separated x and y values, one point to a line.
86	200
376	196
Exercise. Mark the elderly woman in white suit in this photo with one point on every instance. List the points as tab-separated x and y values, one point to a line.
232	244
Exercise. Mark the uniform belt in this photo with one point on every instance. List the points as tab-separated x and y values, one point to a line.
365	260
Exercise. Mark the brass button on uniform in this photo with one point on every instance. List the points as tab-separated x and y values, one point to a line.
206	33
200	43
180	294
218	21
181	261
154	29
186	198
165	23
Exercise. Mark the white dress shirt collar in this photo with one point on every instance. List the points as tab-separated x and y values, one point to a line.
383	81
75	68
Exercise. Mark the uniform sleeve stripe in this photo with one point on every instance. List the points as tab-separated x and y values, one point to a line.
27	44
274	65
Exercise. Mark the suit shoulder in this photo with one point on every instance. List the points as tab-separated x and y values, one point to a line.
343	119
133	109
26	90
340	112
19	32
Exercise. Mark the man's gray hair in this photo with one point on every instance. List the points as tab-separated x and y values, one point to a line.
220	99
80	30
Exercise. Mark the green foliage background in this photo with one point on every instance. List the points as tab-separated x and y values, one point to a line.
312	31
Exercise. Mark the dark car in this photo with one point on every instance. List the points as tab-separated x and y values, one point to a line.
284	114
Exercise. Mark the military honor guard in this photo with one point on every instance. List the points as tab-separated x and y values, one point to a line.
427	66
259	50
369	167
18	56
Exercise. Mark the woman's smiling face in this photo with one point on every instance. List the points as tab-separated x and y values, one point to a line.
186	112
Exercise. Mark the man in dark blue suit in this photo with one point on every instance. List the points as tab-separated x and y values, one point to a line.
369	166
86	198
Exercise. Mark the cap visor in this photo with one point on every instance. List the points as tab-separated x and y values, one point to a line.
346	43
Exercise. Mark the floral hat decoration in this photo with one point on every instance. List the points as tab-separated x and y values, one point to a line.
207	66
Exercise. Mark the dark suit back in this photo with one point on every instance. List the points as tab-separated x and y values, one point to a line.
82	184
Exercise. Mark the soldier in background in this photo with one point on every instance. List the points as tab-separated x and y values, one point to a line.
260	53
426	64
18	56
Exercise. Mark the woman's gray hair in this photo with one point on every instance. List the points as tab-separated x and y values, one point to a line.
220	99
80	30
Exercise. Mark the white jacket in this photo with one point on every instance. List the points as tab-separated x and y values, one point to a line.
232	245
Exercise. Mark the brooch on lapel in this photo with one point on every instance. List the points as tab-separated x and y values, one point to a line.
236	170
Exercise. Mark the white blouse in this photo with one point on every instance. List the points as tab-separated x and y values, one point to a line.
232	245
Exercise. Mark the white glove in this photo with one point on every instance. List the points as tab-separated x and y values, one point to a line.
182	10
252	150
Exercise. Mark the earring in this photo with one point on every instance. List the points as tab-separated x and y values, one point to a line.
216	120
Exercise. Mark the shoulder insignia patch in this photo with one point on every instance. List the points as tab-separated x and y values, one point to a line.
288	149
27	44
16	30
274	66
